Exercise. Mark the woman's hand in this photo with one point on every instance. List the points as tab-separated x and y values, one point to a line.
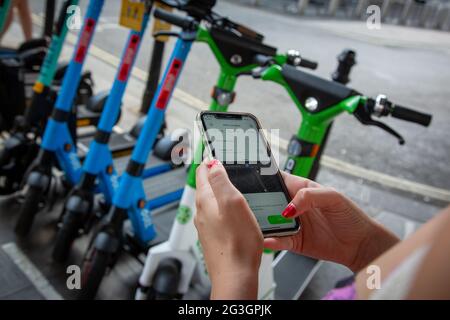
333	227
230	236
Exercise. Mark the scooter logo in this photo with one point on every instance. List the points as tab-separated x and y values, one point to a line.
74	161
85	39
184	214
128	58
146	218
169	83
74	20
115	181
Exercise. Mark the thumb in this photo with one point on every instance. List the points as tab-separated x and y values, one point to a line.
309	198
281	243
220	183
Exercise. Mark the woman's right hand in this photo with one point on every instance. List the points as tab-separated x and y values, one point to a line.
332	227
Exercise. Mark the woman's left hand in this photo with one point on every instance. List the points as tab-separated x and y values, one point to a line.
230	236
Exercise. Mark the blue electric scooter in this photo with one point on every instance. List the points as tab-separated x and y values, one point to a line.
57	145
130	201
99	172
28	118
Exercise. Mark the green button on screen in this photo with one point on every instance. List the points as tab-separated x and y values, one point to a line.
278	219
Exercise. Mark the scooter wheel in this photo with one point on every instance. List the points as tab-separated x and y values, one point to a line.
93	272
28	211
66	236
167	279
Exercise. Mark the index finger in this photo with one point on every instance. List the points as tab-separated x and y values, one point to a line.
202	181
296	183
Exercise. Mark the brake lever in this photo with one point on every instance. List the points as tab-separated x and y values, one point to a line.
363	115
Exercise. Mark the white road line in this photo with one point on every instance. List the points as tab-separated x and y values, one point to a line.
31	272
327	161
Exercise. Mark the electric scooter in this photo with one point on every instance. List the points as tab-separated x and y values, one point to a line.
20	144
19	67
235	47
227	40
130	200
176	265
57	144
99	170
154	72
320	102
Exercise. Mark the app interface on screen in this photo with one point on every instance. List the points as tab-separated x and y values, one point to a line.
238	144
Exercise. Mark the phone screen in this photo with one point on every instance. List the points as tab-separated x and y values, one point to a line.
238	142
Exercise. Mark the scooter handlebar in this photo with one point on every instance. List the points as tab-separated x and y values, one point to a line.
183	22
296	61
308	64
411	115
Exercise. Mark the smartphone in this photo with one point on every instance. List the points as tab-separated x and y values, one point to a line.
237	140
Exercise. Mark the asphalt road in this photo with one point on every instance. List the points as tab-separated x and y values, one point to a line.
410	65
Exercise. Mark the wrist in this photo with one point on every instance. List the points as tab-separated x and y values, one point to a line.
376	242
235	285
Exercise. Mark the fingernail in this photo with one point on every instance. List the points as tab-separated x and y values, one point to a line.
289	211
212	163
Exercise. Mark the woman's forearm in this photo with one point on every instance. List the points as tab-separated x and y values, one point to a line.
393	257
235	286
433	278
375	244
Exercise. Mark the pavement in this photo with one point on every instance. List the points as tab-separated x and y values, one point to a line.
400	186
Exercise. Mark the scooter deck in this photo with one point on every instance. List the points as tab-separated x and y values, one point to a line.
119	143
163	217
164	183
291	287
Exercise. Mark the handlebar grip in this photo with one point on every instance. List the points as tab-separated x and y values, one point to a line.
308	64
174	19
411	115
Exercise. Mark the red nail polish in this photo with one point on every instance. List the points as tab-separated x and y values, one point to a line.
212	163
289	211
